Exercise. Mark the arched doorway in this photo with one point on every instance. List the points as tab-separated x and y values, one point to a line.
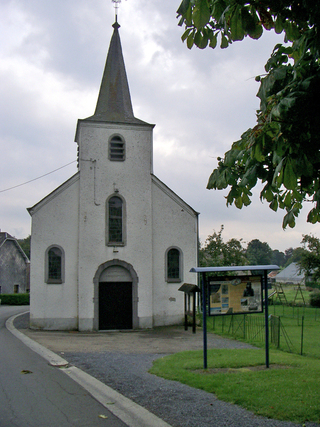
116	291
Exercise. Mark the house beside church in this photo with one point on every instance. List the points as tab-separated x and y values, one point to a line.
14	266
112	245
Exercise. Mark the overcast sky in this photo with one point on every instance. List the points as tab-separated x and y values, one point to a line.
52	55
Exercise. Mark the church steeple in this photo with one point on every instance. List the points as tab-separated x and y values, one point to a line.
114	100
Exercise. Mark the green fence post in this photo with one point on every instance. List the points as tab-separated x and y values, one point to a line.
302	324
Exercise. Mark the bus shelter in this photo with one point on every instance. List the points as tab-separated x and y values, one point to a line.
222	295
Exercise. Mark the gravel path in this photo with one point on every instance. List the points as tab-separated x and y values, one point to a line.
122	361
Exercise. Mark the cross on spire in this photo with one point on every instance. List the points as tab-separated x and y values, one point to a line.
116	6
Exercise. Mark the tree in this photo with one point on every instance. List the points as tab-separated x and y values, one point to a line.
282	150
216	252
258	253
278	258
310	258
293	255
25	245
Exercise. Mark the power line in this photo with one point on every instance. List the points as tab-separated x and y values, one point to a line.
34	179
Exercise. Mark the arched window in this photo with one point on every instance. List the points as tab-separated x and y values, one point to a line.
115	221
55	265
173	265
117	149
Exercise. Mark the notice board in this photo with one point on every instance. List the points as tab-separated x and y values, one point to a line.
234	295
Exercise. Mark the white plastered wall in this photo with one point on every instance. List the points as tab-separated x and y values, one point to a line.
100	179
55	222
175	225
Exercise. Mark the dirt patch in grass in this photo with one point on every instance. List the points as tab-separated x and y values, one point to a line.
241	370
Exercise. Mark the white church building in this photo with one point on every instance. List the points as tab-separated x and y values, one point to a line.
112	245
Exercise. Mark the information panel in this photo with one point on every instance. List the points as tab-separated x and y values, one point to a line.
235	295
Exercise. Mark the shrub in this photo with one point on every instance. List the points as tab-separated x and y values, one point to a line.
315	299
15	299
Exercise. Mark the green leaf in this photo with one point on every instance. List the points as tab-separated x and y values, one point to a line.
183	8
238	202
246	200
197	38
201	40
313	216
236	28
289	177
185	34
190	41
267	193
213	41
289	219
257	152
274	205
288	200
257	32
224	42
201	14
278	25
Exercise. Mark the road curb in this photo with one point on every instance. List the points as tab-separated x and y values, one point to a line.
125	409
50	356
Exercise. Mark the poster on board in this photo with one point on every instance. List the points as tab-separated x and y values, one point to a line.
235	295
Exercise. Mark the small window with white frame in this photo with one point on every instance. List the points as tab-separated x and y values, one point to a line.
117	149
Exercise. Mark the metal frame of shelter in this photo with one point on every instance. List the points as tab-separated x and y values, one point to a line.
203	272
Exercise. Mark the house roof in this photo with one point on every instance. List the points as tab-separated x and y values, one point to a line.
4	237
114	100
290	274
234	268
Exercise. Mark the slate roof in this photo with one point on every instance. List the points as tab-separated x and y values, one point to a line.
290	274
5	237
114	100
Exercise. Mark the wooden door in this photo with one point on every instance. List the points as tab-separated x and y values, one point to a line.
115	305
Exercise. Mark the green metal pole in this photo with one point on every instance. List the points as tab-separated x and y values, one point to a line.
302	325
204	320
266	316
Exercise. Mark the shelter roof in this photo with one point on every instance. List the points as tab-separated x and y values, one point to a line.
233	268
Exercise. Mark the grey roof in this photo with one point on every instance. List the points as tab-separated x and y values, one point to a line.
290	274
233	268
114	101
5	237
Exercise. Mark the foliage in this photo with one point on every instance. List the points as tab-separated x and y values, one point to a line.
293	255
216	252
286	394
310	259
278	258
25	245
282	150
258	253
15	299
315	299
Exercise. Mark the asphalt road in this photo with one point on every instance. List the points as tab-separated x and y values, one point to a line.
35	394
121	361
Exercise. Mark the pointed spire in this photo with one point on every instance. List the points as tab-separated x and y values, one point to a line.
114	101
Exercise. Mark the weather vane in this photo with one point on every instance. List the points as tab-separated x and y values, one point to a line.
116	6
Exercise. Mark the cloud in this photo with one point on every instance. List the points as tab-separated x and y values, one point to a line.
51	65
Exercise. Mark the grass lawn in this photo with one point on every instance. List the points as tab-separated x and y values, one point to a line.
291	332
288	390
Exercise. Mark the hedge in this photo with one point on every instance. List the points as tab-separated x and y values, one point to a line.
315	299
15	299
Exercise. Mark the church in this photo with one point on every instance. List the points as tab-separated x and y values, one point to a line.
112	245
